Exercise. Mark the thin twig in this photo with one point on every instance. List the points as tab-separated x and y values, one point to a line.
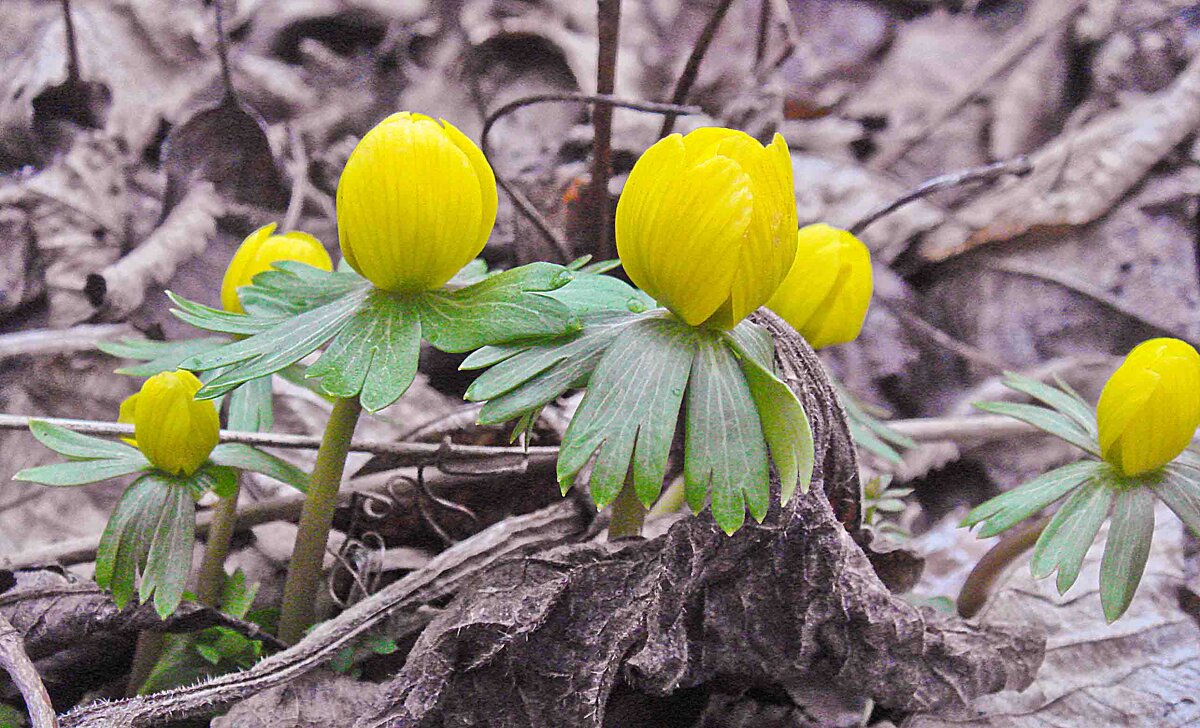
1018	166
692	68
524	205
223	52
764	29
1084	288
650	107
299	179
608	21
72	47
409	453
531	213
946	341
61	341
19	667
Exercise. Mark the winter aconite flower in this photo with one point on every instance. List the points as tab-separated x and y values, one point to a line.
1150	407
706	224
173	430
415	203
259	251
826	293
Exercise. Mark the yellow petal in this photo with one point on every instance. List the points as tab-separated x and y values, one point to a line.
127	415
487	182
680	228
1150	407
770	245
416	202
260	251
173	430
827	292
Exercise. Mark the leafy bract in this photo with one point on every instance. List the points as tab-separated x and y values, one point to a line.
372	337
630	410
1007	510
151	532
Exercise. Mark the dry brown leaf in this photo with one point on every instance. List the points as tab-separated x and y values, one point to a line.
1141	671
1079	177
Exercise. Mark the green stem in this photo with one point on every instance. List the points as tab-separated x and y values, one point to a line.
145	657
298	611
210	581
628	514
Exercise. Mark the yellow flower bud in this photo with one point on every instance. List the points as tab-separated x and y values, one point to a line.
259	251
705	224
826	293
175	431
1150	407
416	202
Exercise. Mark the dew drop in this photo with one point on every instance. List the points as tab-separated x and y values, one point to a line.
636	304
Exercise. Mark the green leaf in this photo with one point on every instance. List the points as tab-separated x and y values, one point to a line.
82	472
236	596
1046	420
471	273
755	342
630	410
1180	490
280	346
78	446
126	539
209	652
486	356
245	457
10	717
1070	406
381	644
169	559
869	432
589	293
251	406
1007	510
158	356
294	287
724	452
1067	537
1126	551
222	481
375	355
207	318
505	307
784	423
541	374
869	441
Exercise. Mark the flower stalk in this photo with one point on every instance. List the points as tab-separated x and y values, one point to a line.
210	580
298	610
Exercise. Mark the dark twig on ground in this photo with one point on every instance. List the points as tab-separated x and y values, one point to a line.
608	20
1018	166
524	205
692	68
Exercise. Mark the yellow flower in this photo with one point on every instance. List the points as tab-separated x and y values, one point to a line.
260	250
416	202
826	293
706	224
175	431
1150	406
